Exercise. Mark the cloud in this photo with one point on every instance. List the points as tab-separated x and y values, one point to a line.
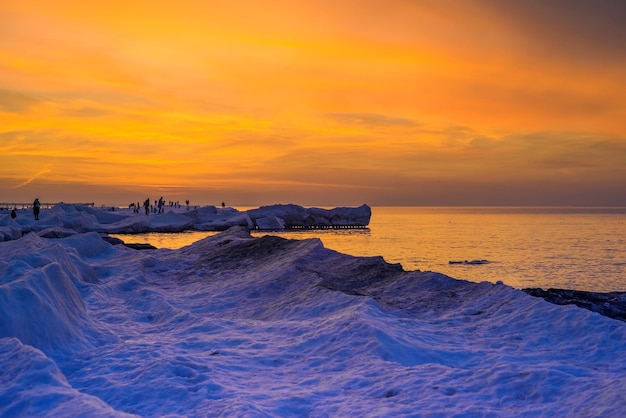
587	29
371	120
16	102
32	178
87	112
370	95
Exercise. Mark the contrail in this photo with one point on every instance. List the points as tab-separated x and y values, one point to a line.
33	177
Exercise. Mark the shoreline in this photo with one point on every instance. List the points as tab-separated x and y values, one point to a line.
609	304
65	220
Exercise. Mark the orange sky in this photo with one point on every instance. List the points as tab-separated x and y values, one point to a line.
314	102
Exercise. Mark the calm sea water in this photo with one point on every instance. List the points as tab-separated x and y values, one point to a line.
572	248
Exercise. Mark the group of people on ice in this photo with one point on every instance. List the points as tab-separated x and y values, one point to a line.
158	207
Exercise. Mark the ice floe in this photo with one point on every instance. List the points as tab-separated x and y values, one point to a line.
65	219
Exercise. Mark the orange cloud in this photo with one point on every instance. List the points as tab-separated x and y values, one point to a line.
370	95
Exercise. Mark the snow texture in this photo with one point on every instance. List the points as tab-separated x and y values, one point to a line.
268	327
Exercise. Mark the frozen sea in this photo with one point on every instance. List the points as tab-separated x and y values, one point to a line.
581	248
267	326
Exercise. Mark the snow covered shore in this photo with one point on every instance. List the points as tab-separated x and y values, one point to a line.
63	220
240	326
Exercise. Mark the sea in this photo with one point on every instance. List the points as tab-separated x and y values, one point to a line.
579	248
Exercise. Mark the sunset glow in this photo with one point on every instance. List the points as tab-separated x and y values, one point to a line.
314	102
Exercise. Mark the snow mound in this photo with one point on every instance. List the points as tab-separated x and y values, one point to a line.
64	219
239	326
40	302
294	216
33	385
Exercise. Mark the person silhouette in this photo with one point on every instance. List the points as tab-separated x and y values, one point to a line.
36	206
13	214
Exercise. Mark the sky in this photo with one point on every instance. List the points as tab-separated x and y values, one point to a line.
314	102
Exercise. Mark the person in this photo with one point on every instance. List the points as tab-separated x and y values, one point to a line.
223	204
36	206
13	214
146	205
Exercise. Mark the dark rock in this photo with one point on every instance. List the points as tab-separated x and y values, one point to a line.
140	246
136	246
111	240
611	304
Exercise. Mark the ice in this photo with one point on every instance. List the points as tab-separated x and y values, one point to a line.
295	216
65	219
469	262
239	326
32	385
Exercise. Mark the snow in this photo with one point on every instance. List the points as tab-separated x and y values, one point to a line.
240	326
64	219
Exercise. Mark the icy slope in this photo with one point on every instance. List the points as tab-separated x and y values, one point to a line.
234	325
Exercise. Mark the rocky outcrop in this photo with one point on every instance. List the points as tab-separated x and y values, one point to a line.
611	304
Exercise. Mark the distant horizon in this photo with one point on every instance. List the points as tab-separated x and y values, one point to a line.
236	205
